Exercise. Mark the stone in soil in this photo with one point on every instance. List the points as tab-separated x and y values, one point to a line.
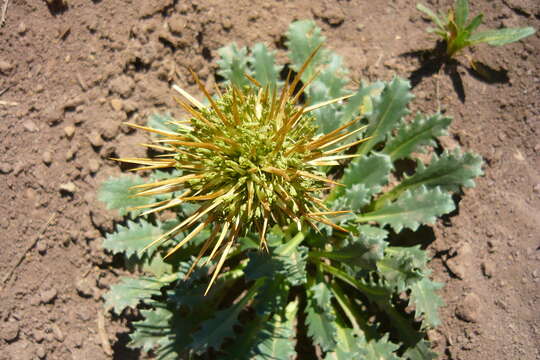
5	168
58	334
85	288
94	165
30	126
95	139
117	104
122	85
468	310
5	67
69	131
488	269
48	296
41	247
9	331
47	158
68	188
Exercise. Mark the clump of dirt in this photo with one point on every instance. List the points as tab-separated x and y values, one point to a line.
72	72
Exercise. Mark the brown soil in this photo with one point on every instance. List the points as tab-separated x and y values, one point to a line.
76	73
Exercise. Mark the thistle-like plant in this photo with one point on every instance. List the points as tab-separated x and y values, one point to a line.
263	163
458	33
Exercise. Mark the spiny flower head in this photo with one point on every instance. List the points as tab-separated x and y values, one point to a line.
249	159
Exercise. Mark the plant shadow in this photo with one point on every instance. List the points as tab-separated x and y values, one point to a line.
433	61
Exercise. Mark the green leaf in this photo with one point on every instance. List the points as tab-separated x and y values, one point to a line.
381	349
233	64
130	291
294	268
161	122
426	301
221	326
420	132
449	172
303	37
272	296
371	171
420	351
398	269
278	336
361	102
115	193
151	330
501	36
475	23
155	265
411	209
372	232
349	346
431	15
321	294
388	109
132	238
461	13
266	72
321	325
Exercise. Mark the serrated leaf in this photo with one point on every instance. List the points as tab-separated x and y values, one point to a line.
155	265
132	238
233	64
363	252
420	132
320	325
151	330
372	232
278	335
399	270
221	326
426	301
271	297
266	72
129	292
501	36
321	294
381	349
449	172
115	193
292	266
371	171
388	109
303	37
411	209
361	102
349	346
421	351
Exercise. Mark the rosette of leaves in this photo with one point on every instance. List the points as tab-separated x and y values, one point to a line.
347	289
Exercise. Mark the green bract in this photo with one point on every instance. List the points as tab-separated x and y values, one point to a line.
288	273
458	33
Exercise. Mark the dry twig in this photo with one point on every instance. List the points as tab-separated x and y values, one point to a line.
4	11
103	333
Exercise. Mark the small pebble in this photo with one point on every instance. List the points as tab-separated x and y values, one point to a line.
487	269
5	168
21	29
84	288
38	335
95	139
69	131
58	334
30	126
41	352
94	165
48	296
9	330
69	188
74	102
117	104
41	247
47	158
5	67
469	308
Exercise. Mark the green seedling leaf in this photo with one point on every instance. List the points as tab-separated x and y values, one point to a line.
461	13
409	138
115	193
233	64
388	110
130	291
272	296
349	346
132	238
152	330
421	351
303	37
266	72
371	171
431	15
501	36
426	301
411	209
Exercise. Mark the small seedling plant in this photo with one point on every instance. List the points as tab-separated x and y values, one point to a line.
458	32
288	215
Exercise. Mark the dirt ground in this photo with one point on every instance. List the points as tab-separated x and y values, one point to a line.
70	75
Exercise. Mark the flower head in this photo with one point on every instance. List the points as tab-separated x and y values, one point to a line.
250	159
